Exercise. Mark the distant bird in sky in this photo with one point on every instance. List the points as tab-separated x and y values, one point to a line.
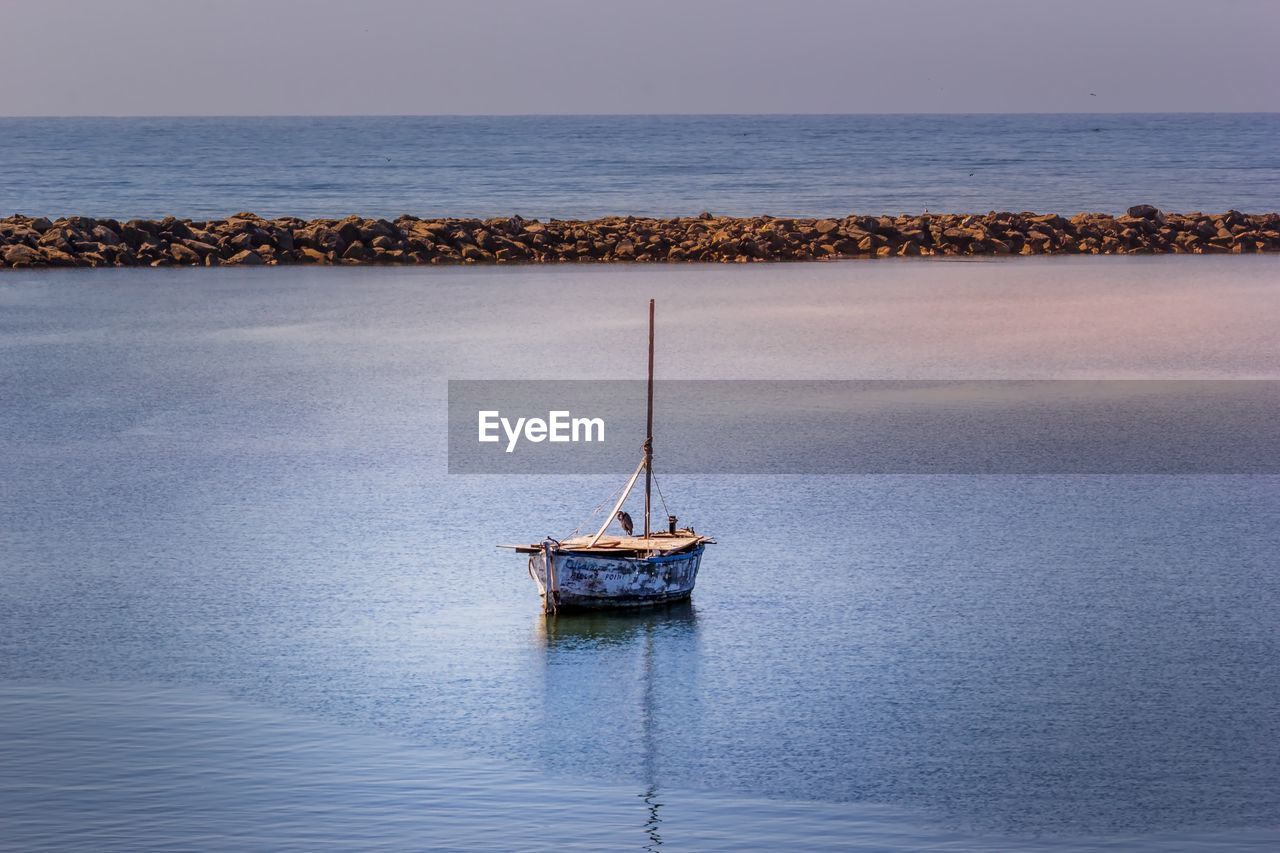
625	520
1093	94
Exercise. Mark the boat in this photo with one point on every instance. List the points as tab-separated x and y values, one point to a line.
599	570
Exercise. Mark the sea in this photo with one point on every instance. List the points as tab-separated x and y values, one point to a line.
245	605
589	166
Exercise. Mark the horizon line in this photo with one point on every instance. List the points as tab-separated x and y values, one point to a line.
638	115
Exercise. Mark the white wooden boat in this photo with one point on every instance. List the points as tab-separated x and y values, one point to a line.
601	571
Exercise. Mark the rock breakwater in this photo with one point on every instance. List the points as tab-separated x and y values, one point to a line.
248	239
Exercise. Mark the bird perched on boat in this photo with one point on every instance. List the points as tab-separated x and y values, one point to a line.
625	520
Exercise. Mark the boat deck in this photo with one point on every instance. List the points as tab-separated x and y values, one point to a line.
657	543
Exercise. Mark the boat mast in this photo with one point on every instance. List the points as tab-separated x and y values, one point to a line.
648	431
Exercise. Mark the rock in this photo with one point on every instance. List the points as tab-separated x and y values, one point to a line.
248	239
438	230
248	258
23	256
349	230
104	235
175	227
200	248
183	255
132	235
142	225
79	224
1053	220
1145	211
12	232
57	236
58	258
380	228
323	238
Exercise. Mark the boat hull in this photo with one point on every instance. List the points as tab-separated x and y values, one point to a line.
593	581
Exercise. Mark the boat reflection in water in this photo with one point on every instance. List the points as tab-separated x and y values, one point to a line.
656	648
598	629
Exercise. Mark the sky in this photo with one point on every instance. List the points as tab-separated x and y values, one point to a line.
494	57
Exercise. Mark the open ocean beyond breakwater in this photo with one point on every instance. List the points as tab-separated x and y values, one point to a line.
581	167
243	605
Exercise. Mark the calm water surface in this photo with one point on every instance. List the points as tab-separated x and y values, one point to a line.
243	601
540	166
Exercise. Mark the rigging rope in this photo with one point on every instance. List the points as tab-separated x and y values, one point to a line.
665	508
610	499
